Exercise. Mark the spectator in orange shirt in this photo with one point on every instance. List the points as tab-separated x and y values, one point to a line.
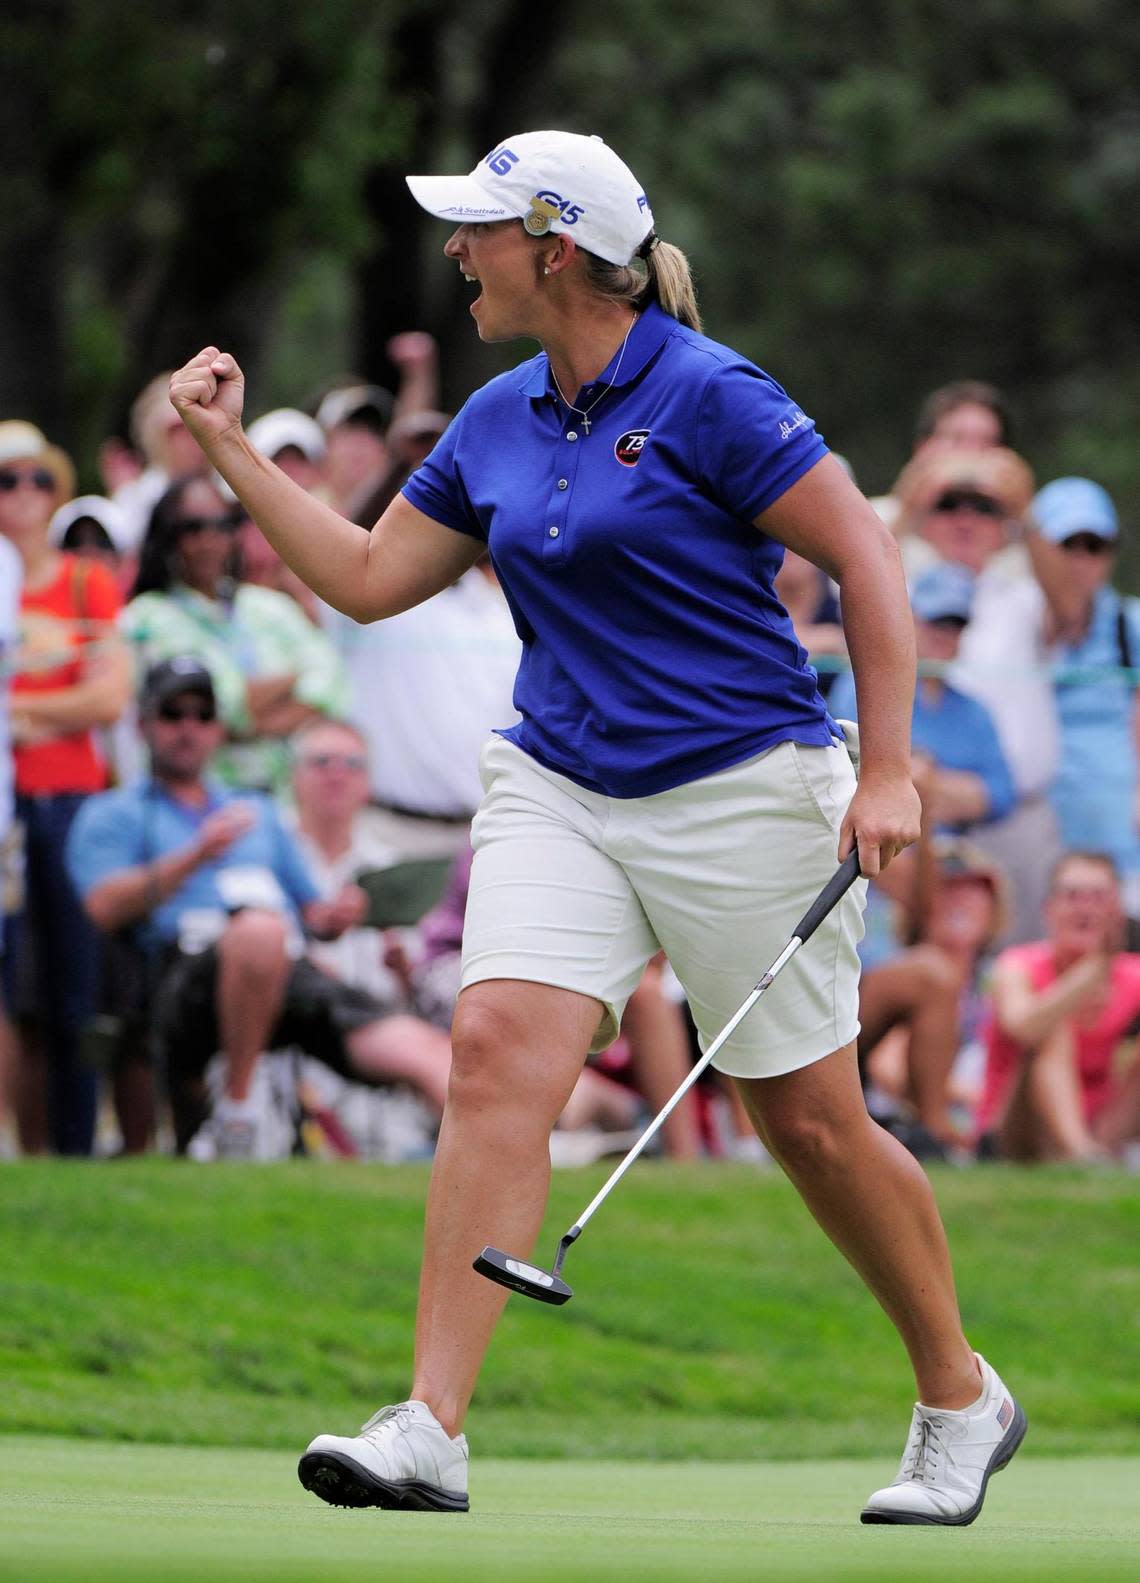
73	675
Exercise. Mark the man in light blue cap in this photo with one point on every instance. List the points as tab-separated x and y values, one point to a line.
1095	654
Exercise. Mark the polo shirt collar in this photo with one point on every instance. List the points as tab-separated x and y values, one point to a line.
649	334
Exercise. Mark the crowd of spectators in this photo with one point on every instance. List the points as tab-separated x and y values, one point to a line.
235	823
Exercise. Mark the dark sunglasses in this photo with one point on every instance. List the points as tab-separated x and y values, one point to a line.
968	500
40	478
326	761
186	527
175	714
1087	544
954	624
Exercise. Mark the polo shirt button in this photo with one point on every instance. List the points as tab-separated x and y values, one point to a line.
571	434
553	533
562	483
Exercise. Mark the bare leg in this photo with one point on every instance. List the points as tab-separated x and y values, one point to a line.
253	970
919	989
1119	1122
599	1101
132	1084
30	1088
1045	1117
659	1051
517	1050
875	1203
404	1049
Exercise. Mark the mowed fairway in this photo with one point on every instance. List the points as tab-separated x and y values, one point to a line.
77	1512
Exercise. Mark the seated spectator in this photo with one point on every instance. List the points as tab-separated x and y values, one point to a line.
1062	1078
967	505
355	420
213	892
273	670
73	675
921	1013
11	578
806	593
968	781
1096	633
296	444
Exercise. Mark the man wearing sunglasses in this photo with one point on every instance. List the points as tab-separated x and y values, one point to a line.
215	897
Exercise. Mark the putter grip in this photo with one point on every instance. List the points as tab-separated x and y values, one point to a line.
837	886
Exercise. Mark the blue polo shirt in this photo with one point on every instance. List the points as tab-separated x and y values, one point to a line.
655	650
136	824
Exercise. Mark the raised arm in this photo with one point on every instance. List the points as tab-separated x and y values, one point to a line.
824	517
405	559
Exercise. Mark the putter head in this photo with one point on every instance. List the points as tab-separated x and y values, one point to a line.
519	1276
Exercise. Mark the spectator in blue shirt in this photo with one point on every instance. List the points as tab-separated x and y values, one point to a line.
969	780
214	895
1096	651
675	781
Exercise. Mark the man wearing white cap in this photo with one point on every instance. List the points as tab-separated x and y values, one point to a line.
675	781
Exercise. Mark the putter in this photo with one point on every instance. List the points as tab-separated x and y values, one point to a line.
547	1286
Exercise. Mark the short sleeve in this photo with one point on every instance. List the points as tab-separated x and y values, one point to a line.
753	442
436	486
104	839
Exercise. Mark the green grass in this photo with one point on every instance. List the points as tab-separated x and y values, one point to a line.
73	1513
159	1301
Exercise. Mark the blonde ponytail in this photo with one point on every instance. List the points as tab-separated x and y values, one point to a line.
666	279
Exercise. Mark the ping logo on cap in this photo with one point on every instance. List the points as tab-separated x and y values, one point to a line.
629	448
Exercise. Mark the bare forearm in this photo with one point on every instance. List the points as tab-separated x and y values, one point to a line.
89	703
328	553
960	797
134	892
880	640
1030	1017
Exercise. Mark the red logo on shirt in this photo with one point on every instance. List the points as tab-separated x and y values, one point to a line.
629	448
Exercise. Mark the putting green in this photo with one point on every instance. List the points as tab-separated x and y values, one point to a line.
91	1511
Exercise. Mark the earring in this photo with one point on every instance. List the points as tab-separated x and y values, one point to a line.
546	271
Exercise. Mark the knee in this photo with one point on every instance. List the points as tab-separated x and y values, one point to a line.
935	975
254	942
806	1145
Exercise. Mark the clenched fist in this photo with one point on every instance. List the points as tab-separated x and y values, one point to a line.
208	393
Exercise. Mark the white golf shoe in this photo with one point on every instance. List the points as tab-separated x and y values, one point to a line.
403	1459
949	1458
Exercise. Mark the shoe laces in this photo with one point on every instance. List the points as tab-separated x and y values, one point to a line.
925	1450
398	1418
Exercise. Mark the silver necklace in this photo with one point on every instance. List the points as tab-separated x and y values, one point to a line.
584	413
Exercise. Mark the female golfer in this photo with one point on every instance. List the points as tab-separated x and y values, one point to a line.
675	781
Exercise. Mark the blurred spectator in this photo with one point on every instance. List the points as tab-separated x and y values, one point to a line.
969	781
965	507
272	668
169	451
355	420
73	675
427	689
11	578
1062	1075
96	529
214	890
965	415
1097	642
806	593
921	1013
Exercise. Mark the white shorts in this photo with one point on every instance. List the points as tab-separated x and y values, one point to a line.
578	890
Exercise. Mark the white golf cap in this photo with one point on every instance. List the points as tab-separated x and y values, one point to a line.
110	516
287	427
551	181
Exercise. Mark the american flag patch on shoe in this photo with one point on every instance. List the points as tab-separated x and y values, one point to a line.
1005	1413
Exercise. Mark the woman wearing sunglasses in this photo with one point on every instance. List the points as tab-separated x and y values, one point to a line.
273	669
73	677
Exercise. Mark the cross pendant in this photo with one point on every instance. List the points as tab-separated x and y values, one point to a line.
586	425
